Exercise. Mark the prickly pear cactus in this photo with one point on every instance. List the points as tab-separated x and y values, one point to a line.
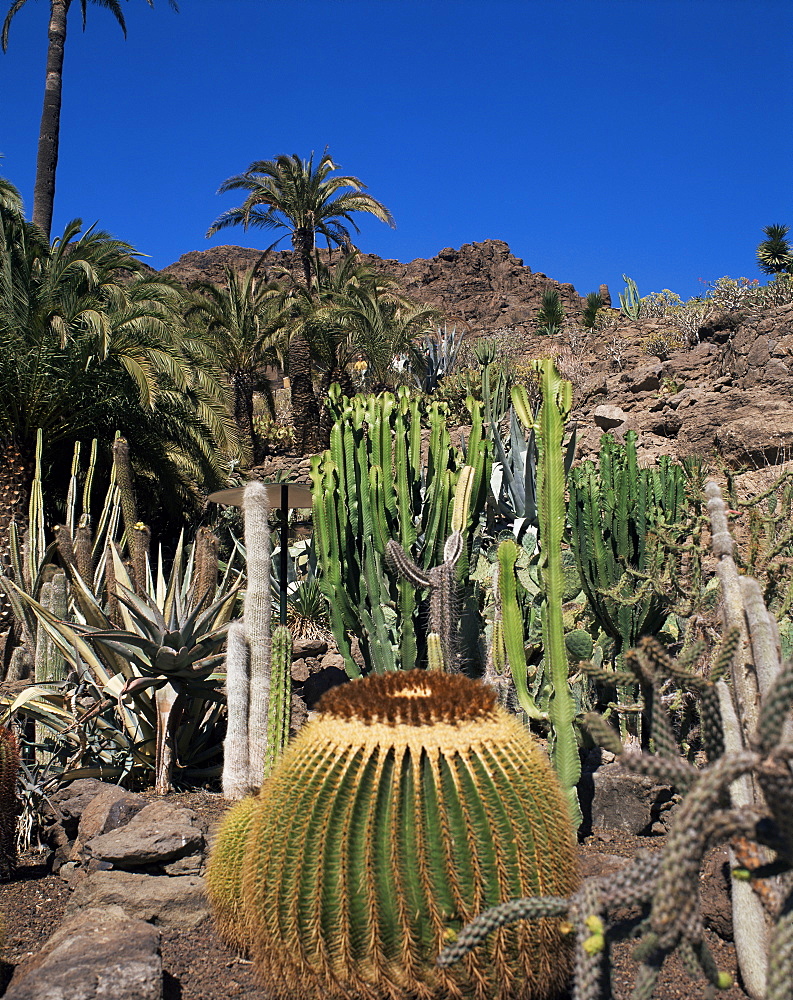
9	769
580	645
410	804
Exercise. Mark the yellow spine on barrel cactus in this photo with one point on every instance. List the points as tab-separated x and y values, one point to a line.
412	803
224	872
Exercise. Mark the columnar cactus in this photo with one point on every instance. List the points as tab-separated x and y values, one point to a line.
376	482
9	769
258	691
615	510
411	803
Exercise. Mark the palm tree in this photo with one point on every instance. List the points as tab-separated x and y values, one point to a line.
384	326
775	254
49	132
305	200
242	326
88	346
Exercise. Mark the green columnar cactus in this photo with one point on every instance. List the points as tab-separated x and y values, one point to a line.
549	427
224	872
373	485
630	302
508	641
280	700
9	769
412	802
615	509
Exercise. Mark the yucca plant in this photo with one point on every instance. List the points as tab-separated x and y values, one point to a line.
412	802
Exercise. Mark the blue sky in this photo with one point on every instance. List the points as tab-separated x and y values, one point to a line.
596	137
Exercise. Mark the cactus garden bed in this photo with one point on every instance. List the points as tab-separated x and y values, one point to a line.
197	966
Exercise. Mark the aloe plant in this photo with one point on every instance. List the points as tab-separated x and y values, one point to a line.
416	802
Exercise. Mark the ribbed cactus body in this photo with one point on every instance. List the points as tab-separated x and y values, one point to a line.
412	803
224	872
9	769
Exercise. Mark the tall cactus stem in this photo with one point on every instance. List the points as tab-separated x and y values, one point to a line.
557	398
280	702
205	579
123	470
235	746
257	615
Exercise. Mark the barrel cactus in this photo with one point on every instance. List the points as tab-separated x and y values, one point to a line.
410	803
224	872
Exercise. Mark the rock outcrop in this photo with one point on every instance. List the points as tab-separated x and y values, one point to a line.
482	285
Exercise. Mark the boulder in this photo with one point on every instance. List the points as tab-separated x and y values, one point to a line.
156	835
97	954
622	800
607	416
169	902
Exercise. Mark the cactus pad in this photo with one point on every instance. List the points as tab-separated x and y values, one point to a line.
409	805
580	645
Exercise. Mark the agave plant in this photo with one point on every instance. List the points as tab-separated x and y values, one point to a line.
160	666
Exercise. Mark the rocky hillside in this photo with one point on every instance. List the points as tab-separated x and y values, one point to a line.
482	284
730	393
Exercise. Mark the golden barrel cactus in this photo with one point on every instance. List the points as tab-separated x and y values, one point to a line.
409	805
224	872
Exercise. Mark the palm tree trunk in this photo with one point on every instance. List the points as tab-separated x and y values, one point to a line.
243	413
305	406
49	132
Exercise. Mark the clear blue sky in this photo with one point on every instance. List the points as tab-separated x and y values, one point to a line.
596	137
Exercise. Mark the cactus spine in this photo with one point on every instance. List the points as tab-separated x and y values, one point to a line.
9	769
259	697
416	802
224	872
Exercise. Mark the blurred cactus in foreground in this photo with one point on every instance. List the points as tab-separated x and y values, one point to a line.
667	884
412	802
9	769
